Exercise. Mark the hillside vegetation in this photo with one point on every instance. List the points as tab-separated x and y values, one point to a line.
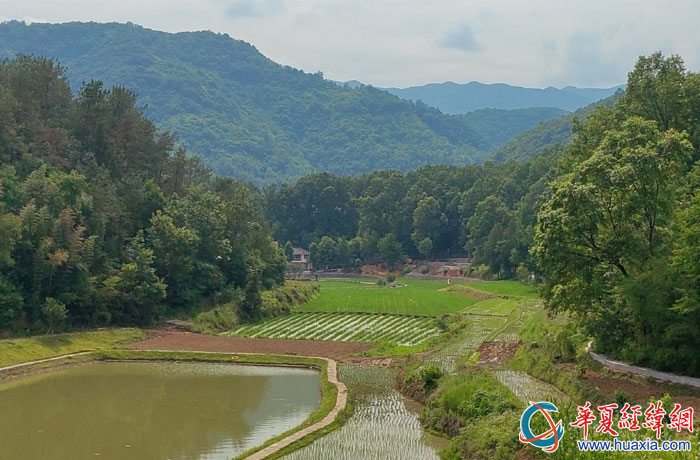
251	118
549	133
103	222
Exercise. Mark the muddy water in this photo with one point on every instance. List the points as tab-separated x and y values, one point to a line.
151	411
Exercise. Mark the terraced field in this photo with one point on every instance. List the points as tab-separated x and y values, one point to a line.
479	329
345	326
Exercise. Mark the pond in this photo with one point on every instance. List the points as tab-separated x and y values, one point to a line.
152	411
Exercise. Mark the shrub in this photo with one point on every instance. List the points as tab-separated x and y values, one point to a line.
54	314
621	397
489	438
222	318
390	277
430	375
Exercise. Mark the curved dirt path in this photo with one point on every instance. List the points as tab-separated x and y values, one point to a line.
340	404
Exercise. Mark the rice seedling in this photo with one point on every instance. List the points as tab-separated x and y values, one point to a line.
381	427
479	329
527	388
345	327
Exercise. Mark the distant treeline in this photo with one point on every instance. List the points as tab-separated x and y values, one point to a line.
488	211
102	222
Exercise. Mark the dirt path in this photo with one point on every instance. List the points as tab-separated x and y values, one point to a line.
186	341
39	361
340	403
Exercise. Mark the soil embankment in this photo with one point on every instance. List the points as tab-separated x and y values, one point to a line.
185	341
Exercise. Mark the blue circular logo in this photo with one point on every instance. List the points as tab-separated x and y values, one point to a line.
547	441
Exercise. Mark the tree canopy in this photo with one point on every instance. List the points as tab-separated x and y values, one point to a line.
102	221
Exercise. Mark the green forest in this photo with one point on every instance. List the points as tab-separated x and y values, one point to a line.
103	222
250	118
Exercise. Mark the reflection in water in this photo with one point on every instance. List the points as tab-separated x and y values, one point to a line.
152	411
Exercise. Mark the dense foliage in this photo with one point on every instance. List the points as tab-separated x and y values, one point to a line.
102	222
250	118
546	134
487	211
617	238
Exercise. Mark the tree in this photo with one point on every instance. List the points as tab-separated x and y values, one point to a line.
427	219
136	292
54	314
289	251
390	250
10	304
425	247
322	254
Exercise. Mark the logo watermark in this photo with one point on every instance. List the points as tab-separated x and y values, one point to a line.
655	420
547	441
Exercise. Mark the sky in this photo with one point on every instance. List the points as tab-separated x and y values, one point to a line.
534	43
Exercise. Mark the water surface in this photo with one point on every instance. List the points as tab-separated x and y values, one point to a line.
152	411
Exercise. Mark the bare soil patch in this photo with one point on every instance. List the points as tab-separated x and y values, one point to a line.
497	352
187	341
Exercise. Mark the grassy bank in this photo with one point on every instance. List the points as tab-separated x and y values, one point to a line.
329	392
15	351
275	302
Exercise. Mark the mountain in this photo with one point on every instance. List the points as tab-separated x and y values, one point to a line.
256	120
454	98
499	125
546	134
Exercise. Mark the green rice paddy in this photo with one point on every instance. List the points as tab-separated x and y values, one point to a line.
346	327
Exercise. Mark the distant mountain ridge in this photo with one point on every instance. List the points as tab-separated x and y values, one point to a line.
454	98
253	119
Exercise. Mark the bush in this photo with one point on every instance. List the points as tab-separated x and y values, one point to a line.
494	437
390	277
222	318
54	314
465	398
430	375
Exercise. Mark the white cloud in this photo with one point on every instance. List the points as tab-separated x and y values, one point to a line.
462	38
402	42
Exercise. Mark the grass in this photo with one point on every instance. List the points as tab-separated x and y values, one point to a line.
506	288
417	297
15	351
401	330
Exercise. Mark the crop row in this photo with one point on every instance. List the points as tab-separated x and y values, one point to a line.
480	328
381	426
345	327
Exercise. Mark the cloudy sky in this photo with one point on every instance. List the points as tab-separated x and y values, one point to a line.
400	43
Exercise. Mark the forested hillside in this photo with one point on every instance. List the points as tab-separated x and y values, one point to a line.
455	98
250	118
103	223
548	133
